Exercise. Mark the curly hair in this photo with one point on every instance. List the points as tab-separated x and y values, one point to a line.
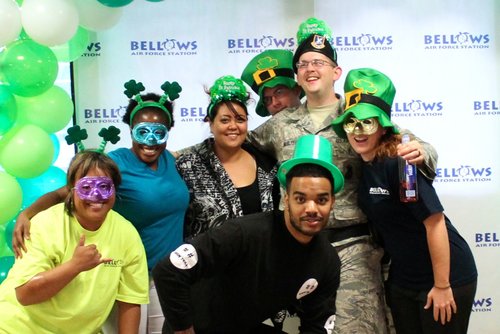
388	145
148	97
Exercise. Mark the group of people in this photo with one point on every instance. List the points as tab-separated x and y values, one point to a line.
291	217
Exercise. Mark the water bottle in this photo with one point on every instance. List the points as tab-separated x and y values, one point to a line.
408	191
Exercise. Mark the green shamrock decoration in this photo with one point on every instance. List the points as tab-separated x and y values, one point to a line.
75	136
368	87
133	88
267	62
171	89
110	134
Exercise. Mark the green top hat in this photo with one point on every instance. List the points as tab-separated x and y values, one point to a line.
312	149
227	88
368	94
314	35
269	69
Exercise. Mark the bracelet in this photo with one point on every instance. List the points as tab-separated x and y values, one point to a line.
443	288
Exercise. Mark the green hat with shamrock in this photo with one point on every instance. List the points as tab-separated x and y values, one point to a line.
313	149
368	94
314	35
269	69
227	88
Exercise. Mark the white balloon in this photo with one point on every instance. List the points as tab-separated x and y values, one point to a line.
10	21
95	16
49	22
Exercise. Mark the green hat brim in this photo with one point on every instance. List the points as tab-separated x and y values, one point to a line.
338	178
261	109
363	111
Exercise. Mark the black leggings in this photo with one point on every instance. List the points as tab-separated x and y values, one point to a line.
407	308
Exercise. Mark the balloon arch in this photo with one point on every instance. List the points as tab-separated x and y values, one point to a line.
36	37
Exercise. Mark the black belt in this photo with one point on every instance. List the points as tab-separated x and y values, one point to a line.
342	233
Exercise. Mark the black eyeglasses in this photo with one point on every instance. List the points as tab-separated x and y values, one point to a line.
316	63
278	93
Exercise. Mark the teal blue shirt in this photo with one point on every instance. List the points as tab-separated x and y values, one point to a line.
155	201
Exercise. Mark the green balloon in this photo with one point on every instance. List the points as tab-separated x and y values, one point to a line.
51	110
24	35
6	252
9	230
26	151
6	262
28	68
3	241
8	110
115	3
74	48
11	197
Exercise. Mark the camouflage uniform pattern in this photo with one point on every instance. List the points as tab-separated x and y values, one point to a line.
360	303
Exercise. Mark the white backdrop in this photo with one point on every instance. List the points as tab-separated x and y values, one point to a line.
442	55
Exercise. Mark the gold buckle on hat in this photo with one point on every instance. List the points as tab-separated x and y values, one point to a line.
352	98
262	76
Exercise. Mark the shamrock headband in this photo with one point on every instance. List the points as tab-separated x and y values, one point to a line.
76	135
171	91
227	88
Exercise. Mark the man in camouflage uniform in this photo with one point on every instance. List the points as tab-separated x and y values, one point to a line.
360	299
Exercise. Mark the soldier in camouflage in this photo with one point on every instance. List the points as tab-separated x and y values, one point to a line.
360	296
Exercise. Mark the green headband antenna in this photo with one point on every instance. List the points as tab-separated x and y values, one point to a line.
171	92
76	135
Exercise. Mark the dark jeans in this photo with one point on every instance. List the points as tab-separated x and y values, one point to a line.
407	308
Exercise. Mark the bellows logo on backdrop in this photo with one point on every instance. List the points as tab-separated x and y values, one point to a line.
417	108
464	173
192	114
460	40
363	42
93	50
165	47
259	44
483	305
487	239
486	108
104	115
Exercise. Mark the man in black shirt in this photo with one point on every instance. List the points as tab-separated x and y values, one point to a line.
233	277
